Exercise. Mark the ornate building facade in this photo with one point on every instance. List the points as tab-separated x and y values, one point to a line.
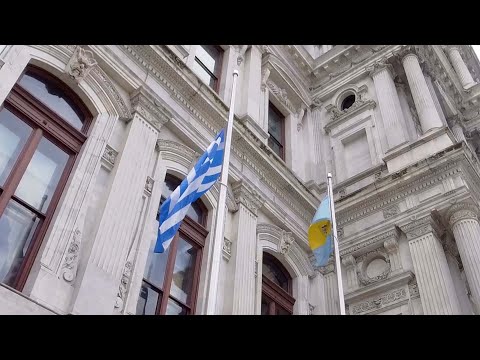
94	138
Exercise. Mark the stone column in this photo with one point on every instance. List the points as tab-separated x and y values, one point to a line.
245	248
318	172
116	231
332	307
351	271
389	104
301	306
437	291
429	78
460	67
455	124
463	218
427	113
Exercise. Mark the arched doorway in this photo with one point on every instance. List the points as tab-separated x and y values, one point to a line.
277	296
170	283
43	125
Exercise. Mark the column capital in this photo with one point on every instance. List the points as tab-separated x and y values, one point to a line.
244	194
317	104
380	65
405	51
391	245
349	261
420	227
462	211
148	108
455	120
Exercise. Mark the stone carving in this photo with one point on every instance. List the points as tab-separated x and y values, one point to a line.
379	302
150	109
399	174
406	50
365	261
342	193
227	248
149	185
329	268
380	65
462	211
368	242
413	289
69	268
311	308
391	245
349	261
110	155
265	75
340	233
80	63
281	95
421	227
391	211
245	195
241	53
122	289
285	242
316	101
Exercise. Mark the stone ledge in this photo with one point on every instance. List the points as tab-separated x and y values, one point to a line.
13	302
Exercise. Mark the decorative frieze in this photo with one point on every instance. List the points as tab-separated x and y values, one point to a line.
281	95
69	267
391	211
123	287
338	116
462	211
227	249
80	64
244	194
379	302
413	289
368	242
421	227
110	155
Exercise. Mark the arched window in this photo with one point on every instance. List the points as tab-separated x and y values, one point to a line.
277	296
43	125
170	282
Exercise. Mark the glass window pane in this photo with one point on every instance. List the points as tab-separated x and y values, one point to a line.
277	149
271	269
275	124
174	308
17	226
207	58
183	272
155	270
13	136
40	180
53	97
147	301
201	73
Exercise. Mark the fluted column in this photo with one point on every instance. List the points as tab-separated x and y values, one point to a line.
350	265
455	124
244	252
389	104
116	231
318	172
332	307
463	218
460	67
437	291
427	113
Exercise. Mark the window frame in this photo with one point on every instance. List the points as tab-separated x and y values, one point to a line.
275	295
282	118
45	123
216	75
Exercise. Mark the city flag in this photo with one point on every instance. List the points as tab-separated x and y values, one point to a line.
320	233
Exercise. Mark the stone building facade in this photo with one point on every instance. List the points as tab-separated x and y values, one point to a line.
93	138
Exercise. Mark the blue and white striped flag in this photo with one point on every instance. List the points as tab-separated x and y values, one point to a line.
198	181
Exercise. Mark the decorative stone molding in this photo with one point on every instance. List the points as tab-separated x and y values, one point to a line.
227	249
413	289
365	260
391	211
149	108
349	261
177	152
380	65
391	245
244	194
241	53
281	95
338	116
461	211
340	233
265	75
311	309
368	242
80	64
420	227
149	185
69	268
407	50
379	302
122	289
327	269
110	155
317	103
285	242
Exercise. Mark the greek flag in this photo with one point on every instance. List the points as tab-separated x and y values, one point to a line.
198	181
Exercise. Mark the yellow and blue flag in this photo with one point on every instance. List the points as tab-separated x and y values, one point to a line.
320	233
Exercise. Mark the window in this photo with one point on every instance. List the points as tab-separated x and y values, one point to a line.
347	102
208	64
43	125
170	281
276	130
277	296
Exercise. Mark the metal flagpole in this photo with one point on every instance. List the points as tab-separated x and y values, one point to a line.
335	241
220	213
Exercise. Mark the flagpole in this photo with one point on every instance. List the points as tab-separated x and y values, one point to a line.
220	213
335	241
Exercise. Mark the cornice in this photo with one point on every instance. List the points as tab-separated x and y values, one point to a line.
150	109
247	196
462	211
340	116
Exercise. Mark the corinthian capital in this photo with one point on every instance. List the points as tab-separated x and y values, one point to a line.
462	211
380	65
406	50
245	195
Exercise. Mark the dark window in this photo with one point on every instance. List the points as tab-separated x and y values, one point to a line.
170	282
277	296
276	130
208	64
42	129
347	102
